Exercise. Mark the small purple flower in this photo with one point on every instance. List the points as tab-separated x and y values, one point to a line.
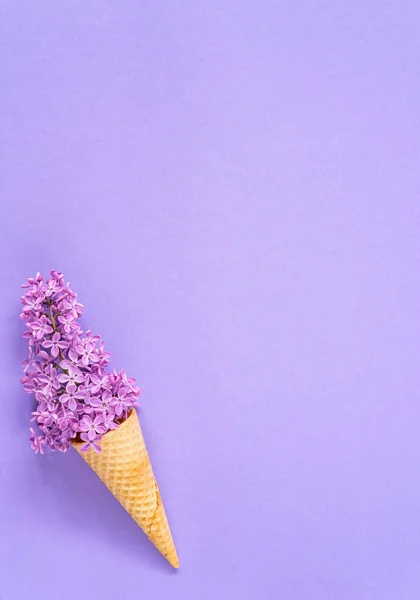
33	281
66	371
55	344
72	306
70	396
108	421
32	304
101	402
121	402
41	326
90	443
50	287
96	384
72	360
29	382
44	418
37	442
46	401
101	366
92	426
28	362
32	336
90	337
73	375
67	421
63	444
68	322
49	379
87	352
59	277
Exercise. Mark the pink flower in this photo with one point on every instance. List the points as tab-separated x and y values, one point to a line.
92	427
90	337
68	322
72	360
70	396
55	344
73	375
72	306
101	402
87	352
68	422
37	442
66	371
32	303
41	326
44	418
90	443
96	384
50	287
108	421
50	380
33	282
28	362
121	402
46	401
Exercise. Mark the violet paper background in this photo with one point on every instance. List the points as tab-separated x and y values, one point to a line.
233	190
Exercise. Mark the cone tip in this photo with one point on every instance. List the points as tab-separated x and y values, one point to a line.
173	560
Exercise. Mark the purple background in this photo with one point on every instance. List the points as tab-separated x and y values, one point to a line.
233	190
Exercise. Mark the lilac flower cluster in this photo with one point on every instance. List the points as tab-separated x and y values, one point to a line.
66	371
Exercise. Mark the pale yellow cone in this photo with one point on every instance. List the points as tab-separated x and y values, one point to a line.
124	467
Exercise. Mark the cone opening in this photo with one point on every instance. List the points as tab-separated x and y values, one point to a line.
77	441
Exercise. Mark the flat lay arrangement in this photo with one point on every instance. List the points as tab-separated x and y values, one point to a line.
80	403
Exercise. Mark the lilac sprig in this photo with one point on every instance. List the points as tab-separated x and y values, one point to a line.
66	371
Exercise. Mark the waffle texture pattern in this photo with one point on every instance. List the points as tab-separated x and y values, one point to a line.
124	467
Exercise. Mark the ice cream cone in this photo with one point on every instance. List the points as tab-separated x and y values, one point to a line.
124	467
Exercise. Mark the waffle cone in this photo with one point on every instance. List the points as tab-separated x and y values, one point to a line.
124	467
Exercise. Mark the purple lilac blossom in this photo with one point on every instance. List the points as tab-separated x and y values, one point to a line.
90	443
77	398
